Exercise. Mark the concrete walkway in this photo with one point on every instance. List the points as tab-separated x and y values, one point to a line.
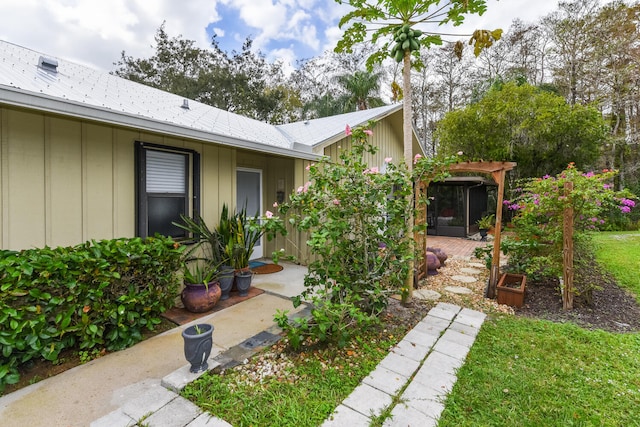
419	372
139	384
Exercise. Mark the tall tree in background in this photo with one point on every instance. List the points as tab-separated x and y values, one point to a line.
391	22
242	82
362	90
537	129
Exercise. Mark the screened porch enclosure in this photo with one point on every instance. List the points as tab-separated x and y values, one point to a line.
457	203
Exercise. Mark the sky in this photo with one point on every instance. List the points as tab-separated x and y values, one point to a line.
95	32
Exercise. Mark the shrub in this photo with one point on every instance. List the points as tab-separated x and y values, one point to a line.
358	235
100	294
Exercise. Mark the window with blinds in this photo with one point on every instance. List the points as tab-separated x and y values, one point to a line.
163	189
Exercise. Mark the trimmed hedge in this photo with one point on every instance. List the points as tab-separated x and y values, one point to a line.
100	294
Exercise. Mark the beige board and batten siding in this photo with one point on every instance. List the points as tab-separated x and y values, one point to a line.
389	144
384	137
65	181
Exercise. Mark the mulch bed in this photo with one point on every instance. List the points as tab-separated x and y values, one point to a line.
613	309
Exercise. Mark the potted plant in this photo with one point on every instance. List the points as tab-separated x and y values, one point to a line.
239	234
201	289
211	244
510	289
198	340
485	224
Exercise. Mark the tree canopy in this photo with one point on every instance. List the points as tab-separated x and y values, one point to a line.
535	128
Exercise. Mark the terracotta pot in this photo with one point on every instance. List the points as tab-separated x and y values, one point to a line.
510	289
198	298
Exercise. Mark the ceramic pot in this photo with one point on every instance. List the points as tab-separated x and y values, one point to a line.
198	340
198	297
226	281
433	263
243	282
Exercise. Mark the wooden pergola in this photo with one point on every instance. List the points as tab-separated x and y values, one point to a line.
497	170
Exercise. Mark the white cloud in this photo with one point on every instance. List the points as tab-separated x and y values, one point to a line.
95	32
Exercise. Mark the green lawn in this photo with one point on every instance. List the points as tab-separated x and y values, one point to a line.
523	372
619	252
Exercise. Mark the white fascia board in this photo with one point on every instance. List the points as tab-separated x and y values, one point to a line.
49	104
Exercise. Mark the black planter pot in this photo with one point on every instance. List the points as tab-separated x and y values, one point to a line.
226	281
198	340
243	282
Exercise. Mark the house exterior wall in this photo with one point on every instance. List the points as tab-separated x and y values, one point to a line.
65	181
384	137
389	144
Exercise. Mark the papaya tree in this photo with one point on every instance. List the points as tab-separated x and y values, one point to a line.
401	28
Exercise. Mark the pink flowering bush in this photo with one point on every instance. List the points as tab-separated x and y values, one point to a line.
537	245
355	219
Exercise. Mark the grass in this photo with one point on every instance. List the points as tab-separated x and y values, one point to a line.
523	372
285	388
520	371
619	252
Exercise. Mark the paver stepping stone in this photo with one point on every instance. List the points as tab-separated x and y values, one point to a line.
477	264
458	290
468	270
427	294
464	279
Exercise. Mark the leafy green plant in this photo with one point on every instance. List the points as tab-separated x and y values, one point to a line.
355	218
194	272
206	239
487	222
537	244
238	235
100	294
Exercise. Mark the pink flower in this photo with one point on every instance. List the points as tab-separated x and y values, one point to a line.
372	170
460	153
275	204
416	158
336	202
300	189
368	132
347	130
268	214
388	159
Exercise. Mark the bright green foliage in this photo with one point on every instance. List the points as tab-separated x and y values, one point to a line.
534	128
537	247
530	373
619	252
100	294
355	218
403	17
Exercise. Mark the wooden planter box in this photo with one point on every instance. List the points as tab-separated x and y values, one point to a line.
511	289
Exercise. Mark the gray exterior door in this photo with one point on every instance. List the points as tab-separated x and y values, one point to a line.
249	196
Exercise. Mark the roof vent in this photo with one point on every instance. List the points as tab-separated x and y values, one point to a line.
185	104
48	64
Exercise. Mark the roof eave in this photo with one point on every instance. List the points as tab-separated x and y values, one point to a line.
25	99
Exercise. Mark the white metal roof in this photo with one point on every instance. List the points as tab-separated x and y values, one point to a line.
80	91
317	131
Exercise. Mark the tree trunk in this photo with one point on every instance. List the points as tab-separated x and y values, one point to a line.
408	159
567	251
